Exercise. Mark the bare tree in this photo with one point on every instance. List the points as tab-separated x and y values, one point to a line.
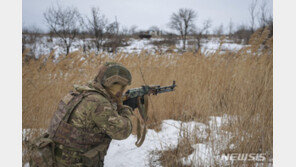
264	15
242	34
230	28
113	28
182	21
124	30
200	33
65	23
115	39
219	30
133	29
97	25
253	14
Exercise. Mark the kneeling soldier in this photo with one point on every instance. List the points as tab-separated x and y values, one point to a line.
87	120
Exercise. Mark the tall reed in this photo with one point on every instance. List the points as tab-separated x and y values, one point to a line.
233	83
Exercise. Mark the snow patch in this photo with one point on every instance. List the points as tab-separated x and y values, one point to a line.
46	45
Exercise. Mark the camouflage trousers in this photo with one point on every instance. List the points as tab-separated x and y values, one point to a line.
69	158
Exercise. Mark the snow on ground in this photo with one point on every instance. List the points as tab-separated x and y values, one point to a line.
125	153
137	45
45	45
213	44
208	153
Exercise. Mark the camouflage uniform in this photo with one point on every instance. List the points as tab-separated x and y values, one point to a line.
87	120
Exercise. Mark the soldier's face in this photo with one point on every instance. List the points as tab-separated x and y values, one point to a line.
117	89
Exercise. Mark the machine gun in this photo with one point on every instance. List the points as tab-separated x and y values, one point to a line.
137	98
130	97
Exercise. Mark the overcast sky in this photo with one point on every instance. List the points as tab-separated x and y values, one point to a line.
146	13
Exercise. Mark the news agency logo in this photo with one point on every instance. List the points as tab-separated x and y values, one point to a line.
244	156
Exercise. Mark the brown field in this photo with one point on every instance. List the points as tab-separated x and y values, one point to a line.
234	83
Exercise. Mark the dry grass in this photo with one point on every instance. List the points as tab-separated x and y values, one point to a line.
224	83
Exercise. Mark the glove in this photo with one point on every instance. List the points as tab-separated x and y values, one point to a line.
125	111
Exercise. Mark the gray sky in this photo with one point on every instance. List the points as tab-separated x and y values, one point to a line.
146	13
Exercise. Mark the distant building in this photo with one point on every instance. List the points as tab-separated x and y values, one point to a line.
155	32
150	33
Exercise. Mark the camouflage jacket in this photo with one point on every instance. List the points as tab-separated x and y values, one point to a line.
83	138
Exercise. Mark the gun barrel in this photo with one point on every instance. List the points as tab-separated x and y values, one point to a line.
155	89
166	88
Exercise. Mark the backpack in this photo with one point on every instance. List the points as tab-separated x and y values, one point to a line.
42	149
41	152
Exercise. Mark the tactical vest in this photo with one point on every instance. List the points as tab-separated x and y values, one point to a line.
60	131
91	145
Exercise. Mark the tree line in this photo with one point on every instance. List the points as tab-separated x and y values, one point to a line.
183	22
67	24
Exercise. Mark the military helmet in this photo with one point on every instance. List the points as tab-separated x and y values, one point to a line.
111	73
